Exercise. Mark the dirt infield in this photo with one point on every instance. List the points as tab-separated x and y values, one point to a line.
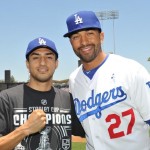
78	139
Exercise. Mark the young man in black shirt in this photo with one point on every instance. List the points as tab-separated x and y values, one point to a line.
37	116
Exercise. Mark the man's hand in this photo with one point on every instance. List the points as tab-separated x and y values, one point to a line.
36	121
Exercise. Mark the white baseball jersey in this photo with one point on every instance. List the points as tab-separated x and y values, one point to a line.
114	105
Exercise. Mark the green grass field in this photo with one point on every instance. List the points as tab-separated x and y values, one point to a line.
78	146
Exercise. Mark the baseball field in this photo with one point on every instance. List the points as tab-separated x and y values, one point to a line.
78	146
78	143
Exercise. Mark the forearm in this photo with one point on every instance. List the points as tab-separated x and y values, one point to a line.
35	123
11	140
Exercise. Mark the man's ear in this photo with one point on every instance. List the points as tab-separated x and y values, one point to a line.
102	37
56	64
27	64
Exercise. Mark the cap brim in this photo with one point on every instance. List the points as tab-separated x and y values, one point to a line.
67	35
70	33
42	46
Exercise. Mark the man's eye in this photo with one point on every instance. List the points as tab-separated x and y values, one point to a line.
90	33
75	37
35	58
50	57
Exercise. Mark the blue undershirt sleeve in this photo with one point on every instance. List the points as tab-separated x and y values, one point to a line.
148	122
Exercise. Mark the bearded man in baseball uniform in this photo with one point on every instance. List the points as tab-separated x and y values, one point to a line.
111	93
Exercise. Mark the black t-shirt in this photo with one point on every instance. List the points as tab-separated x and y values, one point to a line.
60	114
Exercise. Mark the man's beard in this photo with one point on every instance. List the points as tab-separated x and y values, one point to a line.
88	58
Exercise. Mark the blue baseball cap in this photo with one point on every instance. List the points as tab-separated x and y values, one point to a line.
82	20
39	43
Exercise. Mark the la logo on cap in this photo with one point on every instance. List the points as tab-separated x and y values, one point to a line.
42	41
78	19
